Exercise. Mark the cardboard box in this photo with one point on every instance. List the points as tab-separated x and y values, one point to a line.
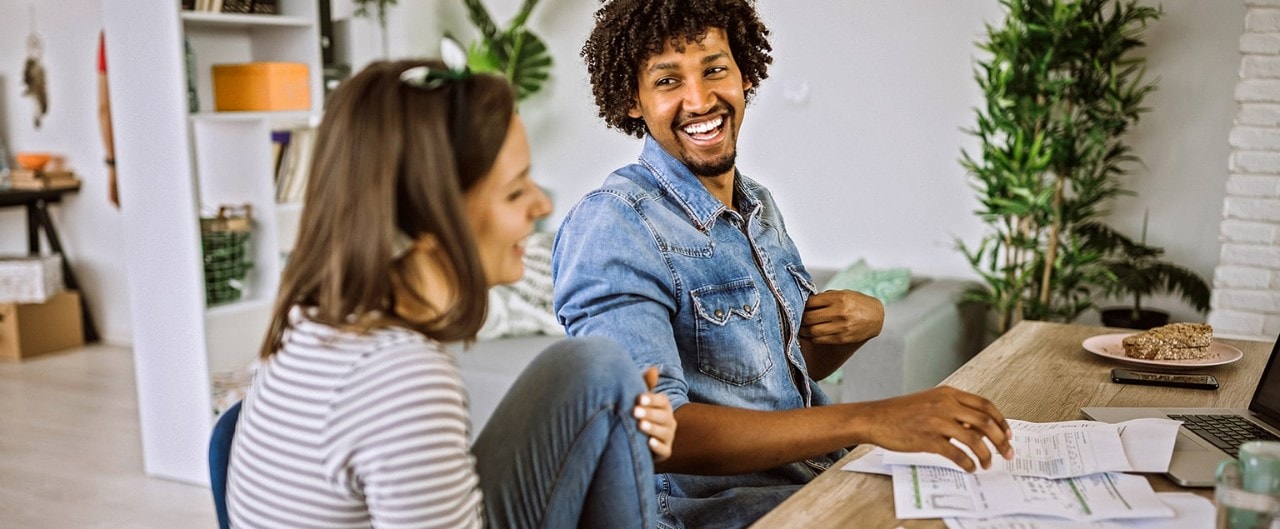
30	279
30	329
261	86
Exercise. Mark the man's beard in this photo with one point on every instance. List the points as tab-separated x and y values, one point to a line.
715	167
723	164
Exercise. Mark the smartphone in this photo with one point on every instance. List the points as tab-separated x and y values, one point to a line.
1177	380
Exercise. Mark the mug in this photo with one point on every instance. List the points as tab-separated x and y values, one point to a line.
1247	490
1260	466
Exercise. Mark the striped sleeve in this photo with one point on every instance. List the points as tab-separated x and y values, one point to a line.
398	437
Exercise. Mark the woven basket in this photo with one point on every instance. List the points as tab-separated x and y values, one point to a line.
257	7
224	240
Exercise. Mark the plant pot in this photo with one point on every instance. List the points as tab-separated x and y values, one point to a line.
1123	317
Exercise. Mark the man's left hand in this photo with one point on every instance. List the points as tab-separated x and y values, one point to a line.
841	317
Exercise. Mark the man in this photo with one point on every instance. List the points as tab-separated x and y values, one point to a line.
687	264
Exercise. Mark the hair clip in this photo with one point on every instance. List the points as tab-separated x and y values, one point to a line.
401	244
455	60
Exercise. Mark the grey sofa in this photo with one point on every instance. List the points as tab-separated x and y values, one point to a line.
926	336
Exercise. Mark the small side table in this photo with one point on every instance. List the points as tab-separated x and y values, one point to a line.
37	204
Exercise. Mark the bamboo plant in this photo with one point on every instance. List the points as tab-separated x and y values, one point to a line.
1062	87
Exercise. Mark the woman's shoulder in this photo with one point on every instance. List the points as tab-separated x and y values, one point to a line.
373	357
398	353
403	371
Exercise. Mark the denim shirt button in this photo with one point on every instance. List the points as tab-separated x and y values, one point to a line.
719	313
746	309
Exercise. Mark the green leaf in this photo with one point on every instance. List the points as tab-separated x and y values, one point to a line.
514	52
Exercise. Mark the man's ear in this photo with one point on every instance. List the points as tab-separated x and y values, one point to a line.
634	111
746	85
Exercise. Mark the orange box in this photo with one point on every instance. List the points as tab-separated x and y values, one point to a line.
261	86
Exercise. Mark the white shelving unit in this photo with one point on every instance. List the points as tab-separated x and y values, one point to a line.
175	165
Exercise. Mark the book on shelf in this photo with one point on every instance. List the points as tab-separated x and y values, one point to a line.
294	163
27	174
279	142
40	180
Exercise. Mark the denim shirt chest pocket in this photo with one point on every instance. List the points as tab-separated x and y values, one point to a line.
807	288
730	332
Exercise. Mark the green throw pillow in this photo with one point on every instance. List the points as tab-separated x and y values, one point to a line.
887	285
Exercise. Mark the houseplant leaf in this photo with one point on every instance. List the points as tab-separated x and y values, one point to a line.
514	52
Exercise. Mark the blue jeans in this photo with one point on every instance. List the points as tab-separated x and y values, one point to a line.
562	449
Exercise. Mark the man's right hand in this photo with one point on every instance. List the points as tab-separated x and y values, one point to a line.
928	420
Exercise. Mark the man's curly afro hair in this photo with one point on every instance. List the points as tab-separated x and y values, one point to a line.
629	32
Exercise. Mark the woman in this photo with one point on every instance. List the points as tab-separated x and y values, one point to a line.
419	201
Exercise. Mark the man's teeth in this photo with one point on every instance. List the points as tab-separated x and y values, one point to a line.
704	127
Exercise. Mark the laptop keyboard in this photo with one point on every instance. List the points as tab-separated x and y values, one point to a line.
1227	432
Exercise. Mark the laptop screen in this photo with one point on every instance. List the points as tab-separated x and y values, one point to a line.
1266	399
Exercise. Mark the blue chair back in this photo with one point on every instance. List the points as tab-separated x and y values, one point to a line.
219	456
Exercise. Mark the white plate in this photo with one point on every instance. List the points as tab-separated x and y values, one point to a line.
1109	346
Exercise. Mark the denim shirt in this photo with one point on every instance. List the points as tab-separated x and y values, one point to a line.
710	295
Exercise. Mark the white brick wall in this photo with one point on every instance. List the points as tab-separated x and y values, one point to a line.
1258	114
1246	284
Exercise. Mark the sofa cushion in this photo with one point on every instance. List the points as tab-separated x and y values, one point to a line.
886	284
525	307
490	367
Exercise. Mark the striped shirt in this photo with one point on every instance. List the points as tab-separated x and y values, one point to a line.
345	430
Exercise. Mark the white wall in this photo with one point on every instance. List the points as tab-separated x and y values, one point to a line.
90	229
1193	51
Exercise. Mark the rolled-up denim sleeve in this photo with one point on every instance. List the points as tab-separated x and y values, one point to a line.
611	280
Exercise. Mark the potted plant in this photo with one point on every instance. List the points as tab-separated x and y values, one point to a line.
1061	87
1137	272
514	51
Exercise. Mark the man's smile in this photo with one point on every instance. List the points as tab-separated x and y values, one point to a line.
708	129
704	130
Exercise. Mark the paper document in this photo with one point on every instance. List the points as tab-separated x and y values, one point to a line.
1148	443
870	463
1190	512
935	492
1069	449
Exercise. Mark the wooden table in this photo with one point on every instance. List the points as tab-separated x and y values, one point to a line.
1036	372
38	219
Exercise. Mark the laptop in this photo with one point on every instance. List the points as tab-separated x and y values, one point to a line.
1203	441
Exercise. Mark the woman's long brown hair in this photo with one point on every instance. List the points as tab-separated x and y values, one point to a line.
393	158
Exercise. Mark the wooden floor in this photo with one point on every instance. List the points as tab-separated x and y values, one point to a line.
70	452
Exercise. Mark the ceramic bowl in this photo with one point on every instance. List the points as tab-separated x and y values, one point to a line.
33	161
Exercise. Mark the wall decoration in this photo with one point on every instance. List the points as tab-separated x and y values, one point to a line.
33	76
